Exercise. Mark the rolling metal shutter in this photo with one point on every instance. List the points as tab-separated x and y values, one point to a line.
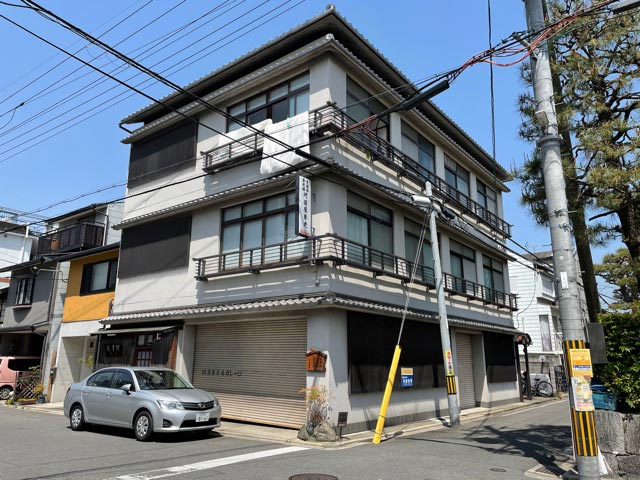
466	383
255	368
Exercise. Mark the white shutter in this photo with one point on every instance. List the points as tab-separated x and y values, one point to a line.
466	384
255	368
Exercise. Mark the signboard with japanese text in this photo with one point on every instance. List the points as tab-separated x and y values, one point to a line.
582	397
580	362
449	364
406	377
303	188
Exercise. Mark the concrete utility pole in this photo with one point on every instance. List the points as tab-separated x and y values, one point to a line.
566	276
452	397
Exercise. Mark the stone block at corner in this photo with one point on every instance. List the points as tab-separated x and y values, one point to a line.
632	434
612	461
324	433
610	431
629	464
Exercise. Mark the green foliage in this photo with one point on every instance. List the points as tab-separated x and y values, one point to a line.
622	373
619	270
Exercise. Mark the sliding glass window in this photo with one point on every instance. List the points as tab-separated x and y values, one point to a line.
456	176
361	104
256	233
370	225
463	266
488	198
425	258
277	103
418	148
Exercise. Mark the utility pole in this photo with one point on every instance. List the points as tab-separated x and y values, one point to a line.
452	397
566	276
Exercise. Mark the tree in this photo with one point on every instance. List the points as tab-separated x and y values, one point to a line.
620	271
596	67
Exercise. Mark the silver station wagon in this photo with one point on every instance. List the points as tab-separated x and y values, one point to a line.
147	400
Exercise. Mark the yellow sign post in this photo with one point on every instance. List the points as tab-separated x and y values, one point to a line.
580	362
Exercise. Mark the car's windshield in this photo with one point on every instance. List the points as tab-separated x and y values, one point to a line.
160	380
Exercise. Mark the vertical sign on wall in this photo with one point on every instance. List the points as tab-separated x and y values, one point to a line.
303	186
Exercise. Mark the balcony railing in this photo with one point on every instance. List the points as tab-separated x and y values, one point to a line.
340	251
73	237
331	119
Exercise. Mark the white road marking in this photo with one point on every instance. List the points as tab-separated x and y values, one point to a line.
546	404
194	467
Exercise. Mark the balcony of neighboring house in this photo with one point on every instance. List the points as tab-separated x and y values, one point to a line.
79	236
340	251
248	147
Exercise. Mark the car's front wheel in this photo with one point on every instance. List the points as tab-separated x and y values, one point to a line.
5	392
143	426
76	418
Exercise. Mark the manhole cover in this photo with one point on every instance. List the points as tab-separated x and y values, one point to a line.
313	476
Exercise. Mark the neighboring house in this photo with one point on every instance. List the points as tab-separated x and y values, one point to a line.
38	286
18	239
532	280
233	277
4	291
90	288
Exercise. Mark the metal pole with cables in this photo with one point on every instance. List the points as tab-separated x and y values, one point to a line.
566	277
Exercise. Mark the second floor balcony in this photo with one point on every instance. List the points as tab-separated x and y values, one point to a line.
340	251
331	119
79	236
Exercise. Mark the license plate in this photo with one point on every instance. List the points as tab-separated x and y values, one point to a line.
202	417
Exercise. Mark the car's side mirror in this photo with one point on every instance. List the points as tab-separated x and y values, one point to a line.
126	387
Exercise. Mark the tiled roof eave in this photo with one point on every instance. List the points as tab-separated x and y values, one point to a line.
327	299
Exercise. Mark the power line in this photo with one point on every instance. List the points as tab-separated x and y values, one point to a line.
67	58
47	123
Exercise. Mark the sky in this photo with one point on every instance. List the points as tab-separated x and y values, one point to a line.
65	140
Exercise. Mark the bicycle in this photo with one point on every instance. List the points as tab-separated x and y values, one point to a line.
540	388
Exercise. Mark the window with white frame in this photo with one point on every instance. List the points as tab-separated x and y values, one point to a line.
24	292
546	283
545	333
456	176
488	198
418	148
277	103
361	104
557	333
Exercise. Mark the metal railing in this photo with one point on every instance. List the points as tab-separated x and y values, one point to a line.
330	118
340	251
80	235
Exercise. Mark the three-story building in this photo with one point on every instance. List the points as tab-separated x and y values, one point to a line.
252	258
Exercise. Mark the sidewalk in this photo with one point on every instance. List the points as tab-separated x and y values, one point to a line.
288	436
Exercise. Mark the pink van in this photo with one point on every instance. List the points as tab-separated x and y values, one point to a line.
9	368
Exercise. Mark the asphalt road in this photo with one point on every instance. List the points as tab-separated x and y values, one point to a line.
41	446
